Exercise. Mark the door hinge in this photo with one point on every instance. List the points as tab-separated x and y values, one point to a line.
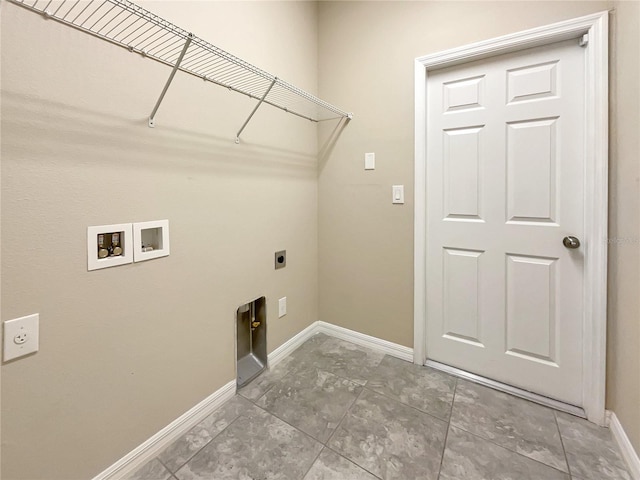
584	41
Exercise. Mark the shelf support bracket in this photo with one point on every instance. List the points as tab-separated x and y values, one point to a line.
152	117
255	109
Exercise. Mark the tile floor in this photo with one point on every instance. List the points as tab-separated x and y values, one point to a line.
336	411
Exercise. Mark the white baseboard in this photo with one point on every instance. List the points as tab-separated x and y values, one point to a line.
626	448
284	350
374	343
154	445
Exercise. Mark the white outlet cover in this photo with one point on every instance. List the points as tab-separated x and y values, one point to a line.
282	307
15	343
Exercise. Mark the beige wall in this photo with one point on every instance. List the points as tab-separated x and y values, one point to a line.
124	351
623	357
366	244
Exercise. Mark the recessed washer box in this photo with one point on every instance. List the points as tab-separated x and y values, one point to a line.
109	246
150	240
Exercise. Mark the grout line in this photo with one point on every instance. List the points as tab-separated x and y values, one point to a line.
408	406
344	416
302	371
343	377
444	449
292	426
453	400
564	450
552	410
459	427
446	435
336	430
351	461
313	463
206	444
157	457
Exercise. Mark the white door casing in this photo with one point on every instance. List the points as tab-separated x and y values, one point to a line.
522	265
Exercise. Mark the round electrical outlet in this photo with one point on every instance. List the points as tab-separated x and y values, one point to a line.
20	338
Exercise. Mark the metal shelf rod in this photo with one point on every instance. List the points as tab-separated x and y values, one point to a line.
254	110
169	80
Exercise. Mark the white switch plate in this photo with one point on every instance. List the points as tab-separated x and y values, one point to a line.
282	307
369	161
397	193
21	336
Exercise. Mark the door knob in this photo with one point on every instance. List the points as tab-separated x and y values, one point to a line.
571	242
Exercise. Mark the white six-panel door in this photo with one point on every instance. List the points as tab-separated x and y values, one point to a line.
505	179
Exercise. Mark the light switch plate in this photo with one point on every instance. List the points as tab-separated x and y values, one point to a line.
369	161
282	307
397	193
21	336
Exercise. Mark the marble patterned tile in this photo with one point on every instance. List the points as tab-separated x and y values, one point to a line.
312	400
420	387
180	451
256	446
153	470
472	458
591	450
312	343
331	466
339	357
519	425
389	439
263	382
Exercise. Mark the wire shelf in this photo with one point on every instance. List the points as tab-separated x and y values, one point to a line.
128	25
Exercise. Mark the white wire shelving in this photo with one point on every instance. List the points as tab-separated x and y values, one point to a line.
128	25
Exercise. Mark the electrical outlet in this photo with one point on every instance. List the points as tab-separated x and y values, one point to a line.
21	336
282	307
281	259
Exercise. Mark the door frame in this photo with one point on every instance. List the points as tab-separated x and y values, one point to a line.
596	26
